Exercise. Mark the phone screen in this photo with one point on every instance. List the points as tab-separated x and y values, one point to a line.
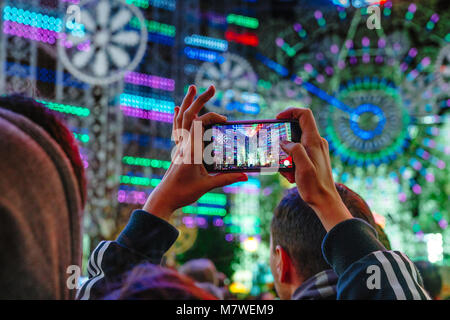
251	146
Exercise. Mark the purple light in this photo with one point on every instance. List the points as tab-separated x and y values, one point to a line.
297	27
298	80
402	197
150	81
319	56
341	64
412	52
334	49
329	70
425	62
412	8
353	60
443	223
349	44
420	235
279	42
397	46
28	32
201	222
417	189
229	237
189	222
429	177
441	164
218	222
365	41
381	43
150	115
366	58
318	14
320	78
435	17
308	68
379	59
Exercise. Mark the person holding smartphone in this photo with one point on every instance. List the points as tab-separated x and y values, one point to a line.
350	246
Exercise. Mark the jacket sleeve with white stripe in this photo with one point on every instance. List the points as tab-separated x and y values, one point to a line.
146	238
366	269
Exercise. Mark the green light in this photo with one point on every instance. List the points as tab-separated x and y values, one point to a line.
205	211
342	15
321	22
416	227
155	27
145	162
447	37
430	25
409	15
139	3
243	21
84	138
214	199
64	108
387	12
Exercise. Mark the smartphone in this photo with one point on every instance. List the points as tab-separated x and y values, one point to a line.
249	146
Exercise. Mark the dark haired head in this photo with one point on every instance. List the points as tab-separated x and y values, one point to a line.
432	279
150	282
297	229
54	126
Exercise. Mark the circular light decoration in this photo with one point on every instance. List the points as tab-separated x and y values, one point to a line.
380	97
443	68
101	47
375	130
235	83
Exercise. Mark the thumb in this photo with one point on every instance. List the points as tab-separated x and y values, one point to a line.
224	179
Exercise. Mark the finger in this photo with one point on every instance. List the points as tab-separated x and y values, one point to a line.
225	179
305	119
189	98
187	101
298	154
196	106
174	125
211	118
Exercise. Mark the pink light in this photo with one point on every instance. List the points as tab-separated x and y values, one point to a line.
308	68
334	49
412	8
150	81
429	177
365	42
320	78
402	197
441	164
150	115
443	223
366	58
417	189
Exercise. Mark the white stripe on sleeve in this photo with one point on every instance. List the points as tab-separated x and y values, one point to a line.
390	274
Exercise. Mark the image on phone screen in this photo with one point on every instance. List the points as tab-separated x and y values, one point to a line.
251	146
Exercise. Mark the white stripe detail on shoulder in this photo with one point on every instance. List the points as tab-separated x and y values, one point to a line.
91	272
414	272
92	281
390	274
407	276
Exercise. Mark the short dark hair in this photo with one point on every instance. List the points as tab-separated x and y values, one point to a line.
54	126
432	279
297	229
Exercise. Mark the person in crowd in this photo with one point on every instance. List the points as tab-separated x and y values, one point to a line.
432	279
151	282
42	194
364	267
204	273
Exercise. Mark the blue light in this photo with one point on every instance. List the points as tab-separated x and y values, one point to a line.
367	108
206	42
203	55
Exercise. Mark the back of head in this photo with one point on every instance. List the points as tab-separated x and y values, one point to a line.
298	230
432	279
150	282
201	270
40	207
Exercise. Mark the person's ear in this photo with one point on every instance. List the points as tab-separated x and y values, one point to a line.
283	265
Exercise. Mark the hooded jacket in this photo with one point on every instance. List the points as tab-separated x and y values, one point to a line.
40	212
